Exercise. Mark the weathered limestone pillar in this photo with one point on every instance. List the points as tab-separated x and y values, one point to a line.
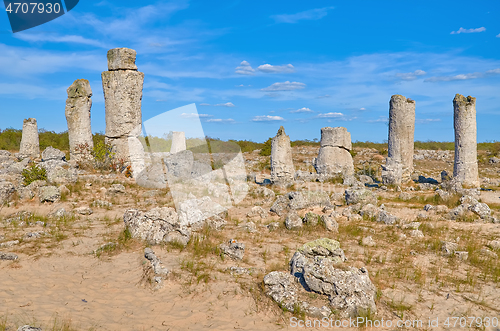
178	142
282	170
465	170
399	162
334	155
122	85
77	112
29	141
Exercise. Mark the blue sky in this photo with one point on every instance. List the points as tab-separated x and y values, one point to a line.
252	66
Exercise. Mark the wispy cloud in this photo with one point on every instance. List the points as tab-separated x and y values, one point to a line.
330	115
411	75
462	30
245	69
267	118
285	86
381	119
427	120
473	75
227	104
311	14
498	35
220	120
46	37
195	115
276	69
302	110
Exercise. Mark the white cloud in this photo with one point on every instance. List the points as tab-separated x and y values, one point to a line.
411	75
195	115
285	86
245	69
323	96
362	108
381	119
462	30
302	110
311	14
220	120
227	104
204	104
330	115
427	120
498	35
473	75
276	69
267	118
44	37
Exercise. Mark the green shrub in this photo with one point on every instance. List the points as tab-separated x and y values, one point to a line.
266	149
33	173
103	155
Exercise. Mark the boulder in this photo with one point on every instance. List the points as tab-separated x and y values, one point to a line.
6	191
281	287
156	226
293	221
49	194
51	153
355	195
349	290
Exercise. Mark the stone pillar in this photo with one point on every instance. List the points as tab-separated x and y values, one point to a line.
465	170
282	170
29	141
399	162
178	142
334	157
77	112
122	85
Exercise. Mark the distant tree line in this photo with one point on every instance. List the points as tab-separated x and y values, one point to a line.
10	139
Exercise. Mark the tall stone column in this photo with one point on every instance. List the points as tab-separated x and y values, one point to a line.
399	162
178	142
30	145
122	85
77	112
334	157
282	170
465	170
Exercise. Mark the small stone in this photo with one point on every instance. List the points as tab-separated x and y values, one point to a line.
416	234
448	248
368	241
8	256
116	189
84	211
330	223
9	243
462	255
233	249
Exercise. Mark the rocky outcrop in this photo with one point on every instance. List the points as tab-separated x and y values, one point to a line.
77	113
282	169
122	85
29	141
317	267
178	142
156	226
299	200
465	170
399	162
334	157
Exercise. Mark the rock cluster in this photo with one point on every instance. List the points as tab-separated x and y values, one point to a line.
77	112
465	170
282	169
178	142
122	85
318	267
399	162
334	157
29	141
